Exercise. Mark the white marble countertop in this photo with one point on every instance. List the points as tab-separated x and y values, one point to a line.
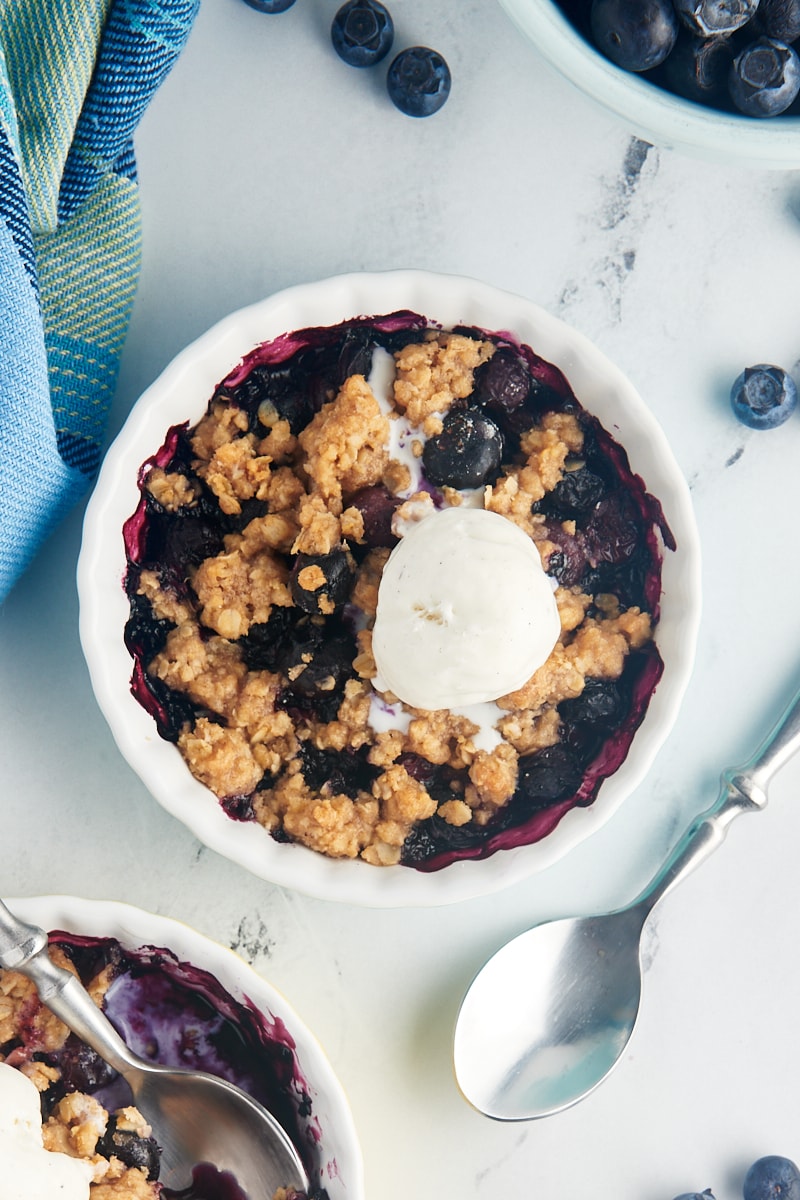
264	161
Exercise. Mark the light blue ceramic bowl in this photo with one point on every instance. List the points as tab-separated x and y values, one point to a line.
647	110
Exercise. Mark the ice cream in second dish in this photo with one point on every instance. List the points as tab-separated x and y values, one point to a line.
29	1171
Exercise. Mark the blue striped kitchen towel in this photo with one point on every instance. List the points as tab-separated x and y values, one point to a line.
75	78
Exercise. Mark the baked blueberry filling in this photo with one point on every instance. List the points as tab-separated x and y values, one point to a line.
255	561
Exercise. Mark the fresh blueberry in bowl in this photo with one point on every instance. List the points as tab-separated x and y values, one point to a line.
270	6
763	396
362	32
765	78
779	19
710	17
637	35
772	1178
418	81
698	68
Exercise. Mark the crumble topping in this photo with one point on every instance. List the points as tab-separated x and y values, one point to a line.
309	477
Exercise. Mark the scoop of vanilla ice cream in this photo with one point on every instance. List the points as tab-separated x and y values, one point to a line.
465	611
27	1170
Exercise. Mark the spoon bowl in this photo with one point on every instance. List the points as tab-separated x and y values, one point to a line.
550	1014
201	1122
574	987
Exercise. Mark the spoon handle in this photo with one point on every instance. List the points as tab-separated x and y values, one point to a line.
743	789
23	948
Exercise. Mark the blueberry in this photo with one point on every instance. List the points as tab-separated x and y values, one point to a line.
318	659
772	1178
779	19
709	17
270	6
706	1195
576	493
129	1148
765	78
698	68
601	703
362	32
763	396
82	1069
503	382
467	451
418	81
548	776
635	34
327	585
377	507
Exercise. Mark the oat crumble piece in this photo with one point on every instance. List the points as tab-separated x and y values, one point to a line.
20	1006
402	798
368	579
236	592
171	489
75	1126
222	424
432	374
397	476
237	472
279	444
346	443
493	776
528	731
455	812
442	737
166	605
210	671
352	525
559	678
320	529
221	758
334	825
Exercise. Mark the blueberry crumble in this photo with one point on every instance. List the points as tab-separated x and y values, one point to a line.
169	1012
255	561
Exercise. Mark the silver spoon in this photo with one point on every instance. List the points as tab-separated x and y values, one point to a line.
196	1118
550	1014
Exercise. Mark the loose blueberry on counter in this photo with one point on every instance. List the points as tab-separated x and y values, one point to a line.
418	81
763	396
765	78
635	34
270	6
362	32
467	451
710	17
698	68
772	1178
706	1195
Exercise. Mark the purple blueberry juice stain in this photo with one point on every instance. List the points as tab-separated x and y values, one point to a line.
179	1015
615	547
